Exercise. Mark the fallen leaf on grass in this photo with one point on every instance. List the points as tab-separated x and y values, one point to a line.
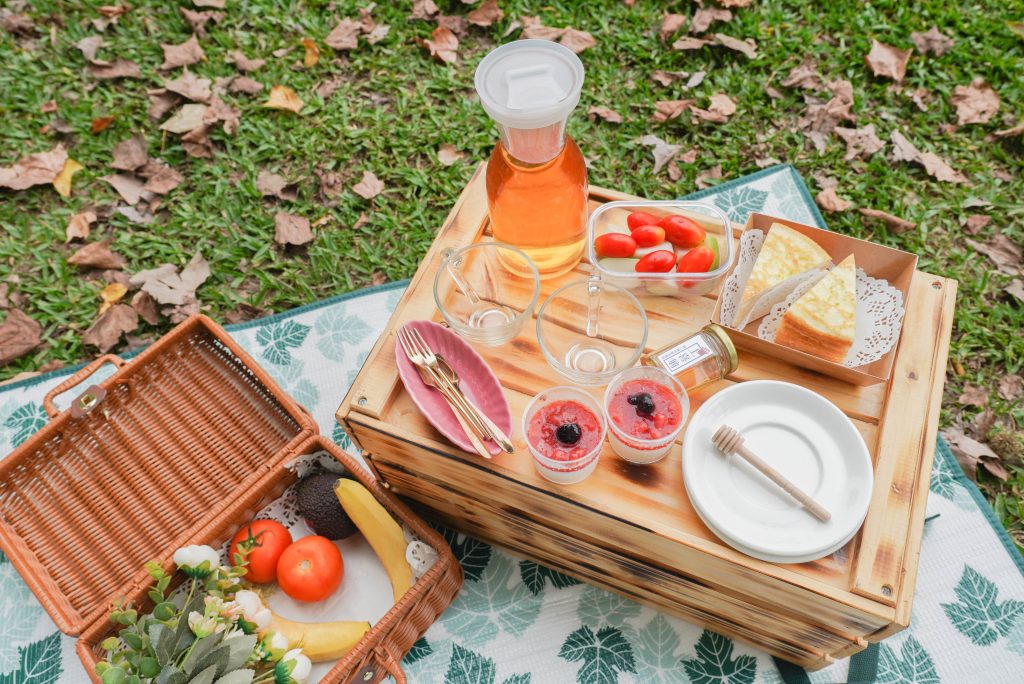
486	14
735	3
975	222
714	173
130	154
97	255
129	187
576	40
442	45
973	396
690	43
921	97
667	78
272	185
161	102
190	86
106	331
1011	387
804	75
377	34
19	335
670	109
423	9
670	23
331	183
312	53
932	41
146	307
533	27
828	200
62	183
705	16
78	226
160	178
283	97
290	229
143	218
89	46
17	23
695	80
719	111
244	84
1016	289
220	110
188	118
970	453
111	295
662	151
35	169
198	20
119	68
609	115
167	286
101	124
976	103
184	54
447	154
455	23
243	63
935	166
860	142
887	61
1003	252
216	4
344	36
821	118
369	186
894	223
1011	132
197	142
747	47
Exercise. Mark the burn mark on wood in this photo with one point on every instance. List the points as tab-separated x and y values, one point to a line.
645	476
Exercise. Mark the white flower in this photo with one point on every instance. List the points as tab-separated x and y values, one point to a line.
196	561
274	645
253	609
299	665
201	625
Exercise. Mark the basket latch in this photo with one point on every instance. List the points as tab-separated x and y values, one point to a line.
87	401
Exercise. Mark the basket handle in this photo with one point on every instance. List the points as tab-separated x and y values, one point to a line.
80	376
387	662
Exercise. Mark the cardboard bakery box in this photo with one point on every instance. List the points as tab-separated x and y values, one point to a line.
885	263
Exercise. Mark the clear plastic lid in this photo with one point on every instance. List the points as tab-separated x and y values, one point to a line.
529	84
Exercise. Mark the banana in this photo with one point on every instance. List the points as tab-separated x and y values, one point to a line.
320	641
380	529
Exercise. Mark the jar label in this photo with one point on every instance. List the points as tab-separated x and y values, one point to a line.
685	354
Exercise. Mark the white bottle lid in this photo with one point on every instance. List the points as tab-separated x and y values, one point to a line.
529	83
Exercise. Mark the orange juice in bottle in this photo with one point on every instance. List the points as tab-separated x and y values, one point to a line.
536	176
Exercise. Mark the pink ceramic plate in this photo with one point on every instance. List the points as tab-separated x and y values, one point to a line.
477	380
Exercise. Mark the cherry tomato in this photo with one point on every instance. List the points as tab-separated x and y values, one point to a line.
614	245
640	218
661	261
697	260
682	231
261	542
310	569
648	236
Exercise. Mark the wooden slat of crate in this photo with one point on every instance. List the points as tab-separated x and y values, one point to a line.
867	593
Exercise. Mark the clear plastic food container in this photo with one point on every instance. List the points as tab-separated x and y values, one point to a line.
612	218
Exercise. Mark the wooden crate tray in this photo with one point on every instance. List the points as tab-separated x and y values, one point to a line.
631	529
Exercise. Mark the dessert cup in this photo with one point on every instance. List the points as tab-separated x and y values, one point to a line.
578	467
626	443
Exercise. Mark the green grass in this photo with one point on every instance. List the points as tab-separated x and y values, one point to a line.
426	104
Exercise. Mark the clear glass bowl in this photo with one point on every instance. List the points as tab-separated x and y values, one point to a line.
576	470
611	217
480	297
590	329
635	449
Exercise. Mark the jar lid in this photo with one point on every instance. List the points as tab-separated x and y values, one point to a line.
529	83
730	349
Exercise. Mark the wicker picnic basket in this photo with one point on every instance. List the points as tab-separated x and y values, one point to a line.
179	446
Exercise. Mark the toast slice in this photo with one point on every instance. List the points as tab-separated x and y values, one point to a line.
784	254
823	321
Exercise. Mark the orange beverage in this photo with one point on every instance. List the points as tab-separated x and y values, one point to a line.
540	208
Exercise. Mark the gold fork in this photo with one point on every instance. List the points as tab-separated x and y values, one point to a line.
431	379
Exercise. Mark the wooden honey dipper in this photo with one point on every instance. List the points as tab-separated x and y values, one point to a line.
730	441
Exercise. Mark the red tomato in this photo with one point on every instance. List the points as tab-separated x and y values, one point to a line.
697	260
682	231
640	218
310	569
614	245
648	236
261	542
661	261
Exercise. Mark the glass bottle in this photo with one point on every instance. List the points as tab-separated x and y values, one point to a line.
536	176
706	356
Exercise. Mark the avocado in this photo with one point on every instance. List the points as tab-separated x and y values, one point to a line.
317	503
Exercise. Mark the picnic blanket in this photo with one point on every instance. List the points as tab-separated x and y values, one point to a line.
516	622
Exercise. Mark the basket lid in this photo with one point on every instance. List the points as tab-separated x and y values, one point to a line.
139	466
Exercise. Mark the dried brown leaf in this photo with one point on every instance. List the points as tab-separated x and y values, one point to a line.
78	226
130	154
36	169
1011	387
670	109
442	45
283	97
747	47
369	187
62	183
184	54
734	4
860	142
216	4
804	75
311	53
690	43
163	180
106	331
244	84
932	41
576	40
89	46
486	14
169	287
714	173
667	78
921	97
344	36
455	23
198	20
331	183
970	453
243	63
101	124
219	110
887	61
97	255
662	151
272	185
721	108
705	16
609	115
146	307
423	9
1015	289
290	229
190	86
670	23
188	118
828	200
119	68
894	223
534	28
19	335
1003	252
976	103
197	142
447	154
129	187
377	34
975	222
935	166
973	395
161	102
1012	131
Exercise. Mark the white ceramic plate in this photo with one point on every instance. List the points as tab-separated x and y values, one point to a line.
803	436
